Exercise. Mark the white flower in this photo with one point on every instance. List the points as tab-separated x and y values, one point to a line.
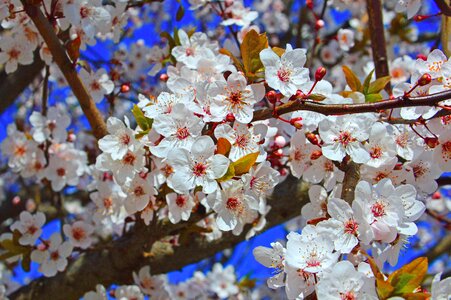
223	281
342	226
272	258
285	73
244	139
433	64
79	234
345	39
162	105
128	292
198	168
139	191
29	226
179	206
61	172
442	153
344	282
441	290
120	139
237	98
192	49
233	206
260	180
53	126
423	171
98	84
239	15
179	129
99	294
409	6
299	153
310	254
14	51
317	206
343	136
381	146
52	255
154	286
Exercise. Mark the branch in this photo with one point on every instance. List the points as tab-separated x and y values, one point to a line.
12	85
377	35
115	264
345	109
444	7
64	63
350	180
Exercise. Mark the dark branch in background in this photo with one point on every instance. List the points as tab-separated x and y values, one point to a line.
116	263
444	7
12	85
377	35
346	109
61	58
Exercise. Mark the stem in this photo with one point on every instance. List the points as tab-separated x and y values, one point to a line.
444	7
45	91
377	35
343	109
93	115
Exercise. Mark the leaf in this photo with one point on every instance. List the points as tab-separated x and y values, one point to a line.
316	97
370	98
366	83
223	146
378	85
409	277
244	164
253	43
73	48
416	296
352	79
180	13
278	51
169	38
26	261
143	122
383	288
229	174
235	60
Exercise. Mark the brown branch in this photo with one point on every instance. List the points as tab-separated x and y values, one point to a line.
64	63
115	264
345	109
350	180
377	35
444	7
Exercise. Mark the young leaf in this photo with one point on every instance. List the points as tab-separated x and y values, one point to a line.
352	79
253	43
278	51
366	83
378	85
409	277
223	146
244	164
141	120
316	97
180	13
370	98
229	174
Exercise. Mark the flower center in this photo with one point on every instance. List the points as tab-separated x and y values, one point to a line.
129	159
347	296
376	152
235	98
61	172
139	191
351	227
14	53
78	233
241	141
125	139
180	200
182	133
378	209
283	74
446	150
199	169
232	203
345	138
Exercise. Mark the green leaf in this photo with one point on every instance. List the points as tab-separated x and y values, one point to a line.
316	97
169	38
352	79
229	174
409	277
370	98
244	164
378	85
143	122
366	83
180	13
253	43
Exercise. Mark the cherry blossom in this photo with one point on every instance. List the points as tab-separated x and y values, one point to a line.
29	226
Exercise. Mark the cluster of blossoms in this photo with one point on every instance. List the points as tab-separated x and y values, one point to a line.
201	146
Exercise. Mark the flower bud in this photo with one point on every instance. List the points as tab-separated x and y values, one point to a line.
319	24
272	96
296	122
432	142
425	79
422	56
316	154
320	73
164	77
125	88
436	196
230	117
312	138
280	141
